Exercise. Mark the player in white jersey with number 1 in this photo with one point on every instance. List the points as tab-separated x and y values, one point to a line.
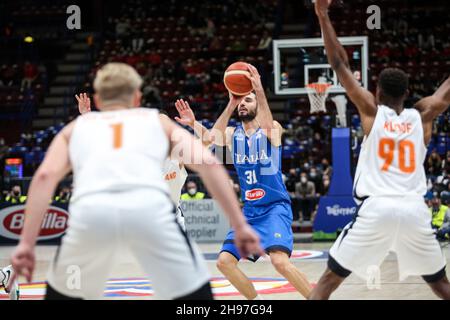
390	179
120	199
174	171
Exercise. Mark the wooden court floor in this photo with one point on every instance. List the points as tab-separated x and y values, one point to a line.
129	282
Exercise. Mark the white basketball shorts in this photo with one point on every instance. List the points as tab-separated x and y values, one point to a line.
102	226
382	224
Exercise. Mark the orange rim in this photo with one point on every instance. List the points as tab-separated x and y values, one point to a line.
320	88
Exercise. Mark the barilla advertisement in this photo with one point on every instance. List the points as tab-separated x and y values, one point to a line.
53	227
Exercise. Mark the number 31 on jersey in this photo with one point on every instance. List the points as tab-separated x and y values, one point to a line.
251	177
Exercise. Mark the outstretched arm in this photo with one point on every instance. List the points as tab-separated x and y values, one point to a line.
55	166
337	58
431	107
221	132
187	118
271	128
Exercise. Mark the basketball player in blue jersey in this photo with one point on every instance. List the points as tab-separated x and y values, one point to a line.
256	148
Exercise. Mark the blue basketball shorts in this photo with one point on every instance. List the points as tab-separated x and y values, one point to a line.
273	225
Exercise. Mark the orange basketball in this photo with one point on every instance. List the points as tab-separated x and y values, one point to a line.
235	79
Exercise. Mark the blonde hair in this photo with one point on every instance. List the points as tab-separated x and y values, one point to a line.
116	83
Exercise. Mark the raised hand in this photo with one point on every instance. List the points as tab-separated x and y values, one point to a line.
255	78
84	103
187	117
321	6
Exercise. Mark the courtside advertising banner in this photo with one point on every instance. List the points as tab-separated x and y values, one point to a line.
205	221
53	227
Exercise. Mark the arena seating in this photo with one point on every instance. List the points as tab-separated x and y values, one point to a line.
182	54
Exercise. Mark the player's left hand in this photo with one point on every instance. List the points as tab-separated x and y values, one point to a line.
23	261
187	117
255	78
247	242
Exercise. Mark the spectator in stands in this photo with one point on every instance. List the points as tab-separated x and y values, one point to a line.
265	41
30	73
440	215
325	185
9	75
434	162
63	195
15	196
445	195
446	162
151	93
327	170
315	177
305	192
192	192
442	181
137	43
210	29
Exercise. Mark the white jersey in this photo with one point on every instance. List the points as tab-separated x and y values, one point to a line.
117	151
175	178
392	156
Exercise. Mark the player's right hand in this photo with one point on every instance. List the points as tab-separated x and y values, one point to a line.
247	242
23	261
187	117
84	103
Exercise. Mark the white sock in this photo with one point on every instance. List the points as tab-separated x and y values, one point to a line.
258	297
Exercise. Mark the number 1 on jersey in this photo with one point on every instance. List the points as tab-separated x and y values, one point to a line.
117	135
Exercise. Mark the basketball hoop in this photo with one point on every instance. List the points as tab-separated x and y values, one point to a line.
317	94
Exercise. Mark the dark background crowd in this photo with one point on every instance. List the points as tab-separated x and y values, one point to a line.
181	49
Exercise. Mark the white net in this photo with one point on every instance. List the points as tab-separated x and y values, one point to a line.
317	94
341	106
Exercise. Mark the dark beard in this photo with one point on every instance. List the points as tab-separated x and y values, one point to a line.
248	117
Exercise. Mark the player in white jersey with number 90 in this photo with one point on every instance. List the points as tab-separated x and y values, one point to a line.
390	179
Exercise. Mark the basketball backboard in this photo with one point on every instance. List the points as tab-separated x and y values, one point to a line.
298	62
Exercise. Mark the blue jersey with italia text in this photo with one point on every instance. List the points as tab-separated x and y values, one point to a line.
258	165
